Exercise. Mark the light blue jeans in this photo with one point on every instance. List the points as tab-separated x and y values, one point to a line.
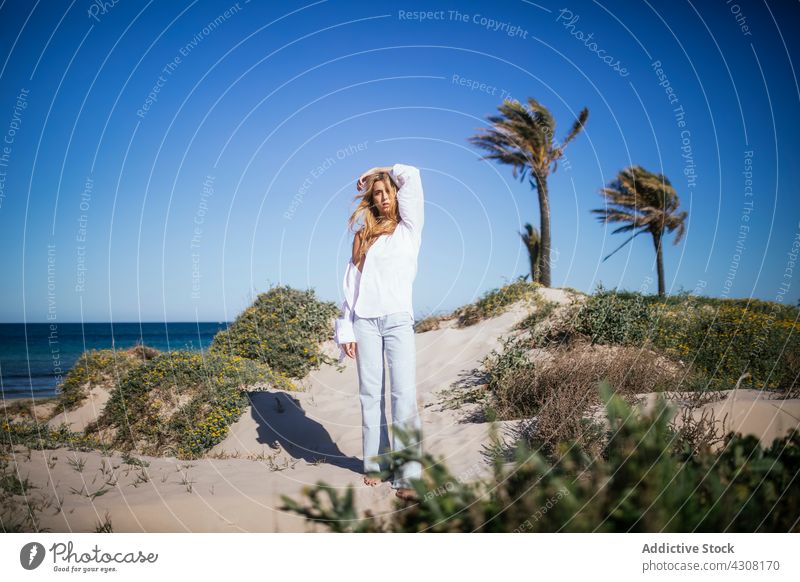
393	334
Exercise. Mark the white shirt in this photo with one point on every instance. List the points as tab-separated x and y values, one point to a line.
385	286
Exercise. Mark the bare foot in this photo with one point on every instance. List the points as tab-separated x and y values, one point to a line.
406	494
372	481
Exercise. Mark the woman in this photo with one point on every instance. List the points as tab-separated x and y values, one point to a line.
377	316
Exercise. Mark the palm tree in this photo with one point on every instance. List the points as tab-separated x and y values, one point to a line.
645	202
532	242
522	136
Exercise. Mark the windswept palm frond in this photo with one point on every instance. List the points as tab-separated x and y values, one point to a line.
522	136
646	203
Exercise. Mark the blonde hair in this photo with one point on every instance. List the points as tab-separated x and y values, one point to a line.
374	225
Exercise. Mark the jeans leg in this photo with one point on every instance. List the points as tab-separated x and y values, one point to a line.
371	382
401	353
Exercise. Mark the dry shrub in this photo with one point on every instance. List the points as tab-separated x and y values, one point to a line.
430	323
142	351
561	390
697	429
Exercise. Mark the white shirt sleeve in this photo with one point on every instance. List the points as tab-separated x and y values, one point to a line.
344	329
344	323
410	199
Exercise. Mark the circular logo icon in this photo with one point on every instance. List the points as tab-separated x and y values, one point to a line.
31	555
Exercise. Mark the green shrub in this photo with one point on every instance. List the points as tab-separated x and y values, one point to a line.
612	317
544	309
508	372
41	436
496	301
721	339
728	338
284	329
638	484
181	402
99	368
683	299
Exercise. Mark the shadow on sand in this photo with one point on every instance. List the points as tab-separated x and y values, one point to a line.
282	420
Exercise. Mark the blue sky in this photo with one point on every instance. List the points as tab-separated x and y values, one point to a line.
171	160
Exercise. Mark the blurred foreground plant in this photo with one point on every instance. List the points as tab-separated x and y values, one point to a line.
638	484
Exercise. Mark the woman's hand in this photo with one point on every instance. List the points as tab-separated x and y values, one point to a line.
363	178
350	349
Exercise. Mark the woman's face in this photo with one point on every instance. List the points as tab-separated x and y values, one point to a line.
382	197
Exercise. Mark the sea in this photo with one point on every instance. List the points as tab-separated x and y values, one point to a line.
34	356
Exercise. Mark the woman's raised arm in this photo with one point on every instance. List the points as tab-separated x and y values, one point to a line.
410	199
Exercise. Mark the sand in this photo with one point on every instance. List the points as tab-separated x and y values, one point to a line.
746	411
289	440
284	442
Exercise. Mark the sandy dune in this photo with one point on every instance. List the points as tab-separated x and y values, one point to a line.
90	409
746	411
292	440
286	441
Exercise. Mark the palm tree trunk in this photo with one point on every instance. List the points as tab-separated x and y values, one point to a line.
534	258
544	230
657	237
